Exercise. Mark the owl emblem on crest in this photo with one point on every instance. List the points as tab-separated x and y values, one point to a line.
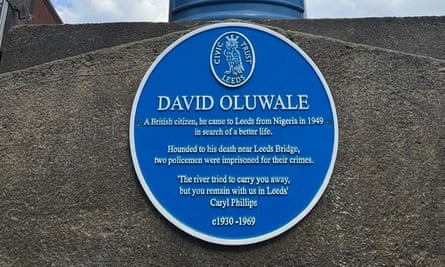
232	59
233	56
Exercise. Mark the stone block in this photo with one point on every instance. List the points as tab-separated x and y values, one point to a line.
69	194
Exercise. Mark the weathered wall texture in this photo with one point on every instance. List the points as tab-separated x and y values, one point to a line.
30	45
69	195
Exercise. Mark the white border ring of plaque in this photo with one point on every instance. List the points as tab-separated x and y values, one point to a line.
233	133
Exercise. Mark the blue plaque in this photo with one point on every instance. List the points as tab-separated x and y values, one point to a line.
233	134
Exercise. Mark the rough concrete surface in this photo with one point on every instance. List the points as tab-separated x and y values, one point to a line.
26	46
30	45
415	35
69	195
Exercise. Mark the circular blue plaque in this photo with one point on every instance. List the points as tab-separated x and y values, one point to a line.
233	134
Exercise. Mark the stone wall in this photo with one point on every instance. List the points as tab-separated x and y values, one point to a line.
69	194
30	45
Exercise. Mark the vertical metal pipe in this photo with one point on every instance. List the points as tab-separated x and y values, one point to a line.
4	6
